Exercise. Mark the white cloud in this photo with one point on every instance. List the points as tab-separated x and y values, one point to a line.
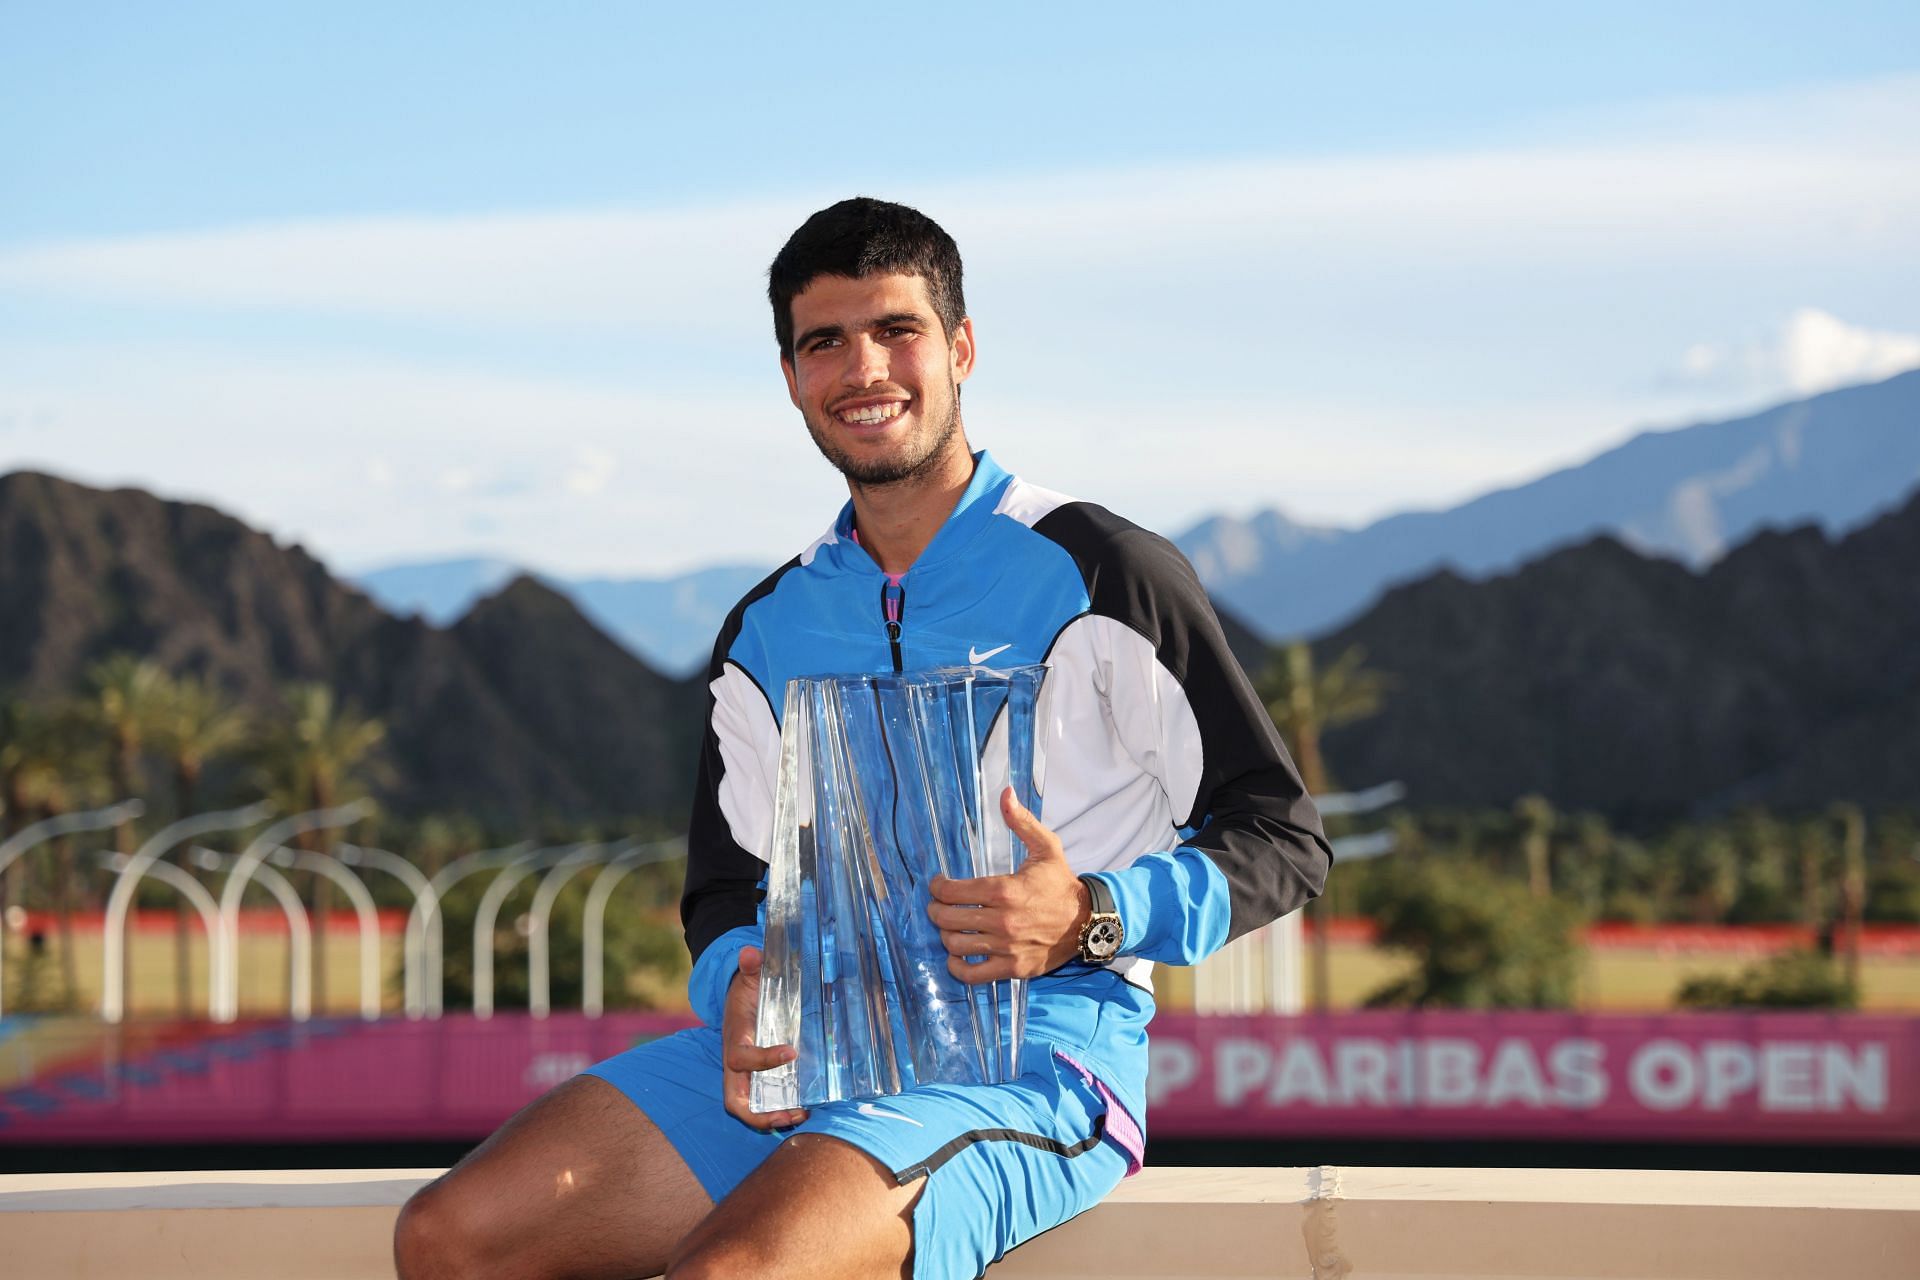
294	445
1343	336
1790	174
1813	351
395	461
1820	352
591	471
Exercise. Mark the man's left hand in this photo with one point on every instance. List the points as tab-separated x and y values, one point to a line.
1024	924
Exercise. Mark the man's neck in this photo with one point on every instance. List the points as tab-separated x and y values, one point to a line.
896	521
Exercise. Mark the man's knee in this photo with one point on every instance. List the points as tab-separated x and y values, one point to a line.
711	1259
439	1234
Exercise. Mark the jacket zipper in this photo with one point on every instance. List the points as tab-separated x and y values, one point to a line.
893	610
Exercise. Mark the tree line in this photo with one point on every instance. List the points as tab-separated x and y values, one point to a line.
1490	902
133	730
181	745
1492	889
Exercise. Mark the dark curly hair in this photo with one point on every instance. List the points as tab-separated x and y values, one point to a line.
861	237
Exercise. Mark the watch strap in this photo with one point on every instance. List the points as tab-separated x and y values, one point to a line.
1103	913
1100	894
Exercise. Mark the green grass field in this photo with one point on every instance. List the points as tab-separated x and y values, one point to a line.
1613	979
151	968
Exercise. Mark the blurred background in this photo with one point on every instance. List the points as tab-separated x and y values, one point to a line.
389	414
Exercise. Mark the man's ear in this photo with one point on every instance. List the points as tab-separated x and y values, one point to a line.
960	351
793	385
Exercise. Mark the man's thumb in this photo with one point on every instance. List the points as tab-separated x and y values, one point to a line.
750	962
1022	822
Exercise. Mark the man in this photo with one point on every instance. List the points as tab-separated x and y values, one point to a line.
1174	821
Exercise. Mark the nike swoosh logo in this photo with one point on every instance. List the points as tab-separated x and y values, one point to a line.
868	1109
975	657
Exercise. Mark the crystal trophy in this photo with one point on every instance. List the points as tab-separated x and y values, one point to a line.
885	782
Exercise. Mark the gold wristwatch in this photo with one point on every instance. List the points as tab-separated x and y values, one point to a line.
1102	934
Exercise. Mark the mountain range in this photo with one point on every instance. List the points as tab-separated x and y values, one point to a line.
1690	494
522	707
1787	674
668	623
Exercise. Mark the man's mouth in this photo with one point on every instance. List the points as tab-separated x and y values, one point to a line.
869	415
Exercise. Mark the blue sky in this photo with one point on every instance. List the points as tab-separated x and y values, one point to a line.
412	280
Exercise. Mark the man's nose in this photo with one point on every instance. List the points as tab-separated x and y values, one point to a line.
866	363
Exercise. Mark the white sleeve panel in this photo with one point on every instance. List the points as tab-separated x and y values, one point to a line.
1146	707
1123	750
750	749
1029	503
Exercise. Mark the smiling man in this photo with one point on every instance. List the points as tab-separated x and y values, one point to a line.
1172	822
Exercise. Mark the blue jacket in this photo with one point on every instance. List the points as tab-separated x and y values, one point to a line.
1161	773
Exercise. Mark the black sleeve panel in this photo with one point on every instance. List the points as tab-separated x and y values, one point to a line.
722	888
1255	819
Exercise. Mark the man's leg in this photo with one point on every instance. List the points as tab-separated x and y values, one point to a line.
818	1207
579	1184
939	1181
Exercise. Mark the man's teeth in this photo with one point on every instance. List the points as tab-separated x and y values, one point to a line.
872	413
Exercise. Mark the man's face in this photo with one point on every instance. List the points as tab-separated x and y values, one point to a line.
876	379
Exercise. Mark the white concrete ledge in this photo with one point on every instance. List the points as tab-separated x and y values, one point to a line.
1323	1223
1425	1224
292	1225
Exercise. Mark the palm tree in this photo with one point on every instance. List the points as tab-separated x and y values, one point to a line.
1815	854
315	757
1710	874
126	697
310	755
22	738
1853	884
1535	814
17	718
1303	703
51	762
1593	852
194	722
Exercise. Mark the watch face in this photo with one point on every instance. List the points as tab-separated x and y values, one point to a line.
1103	939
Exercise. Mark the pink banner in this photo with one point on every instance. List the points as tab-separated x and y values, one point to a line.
1776	1078
1707	1077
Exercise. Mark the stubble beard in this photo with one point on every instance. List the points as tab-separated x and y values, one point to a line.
887	471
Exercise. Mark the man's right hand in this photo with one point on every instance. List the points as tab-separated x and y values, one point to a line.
742	1056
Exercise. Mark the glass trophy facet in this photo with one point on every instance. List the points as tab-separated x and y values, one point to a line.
885	782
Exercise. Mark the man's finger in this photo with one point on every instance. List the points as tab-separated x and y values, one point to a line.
750	1057
775	1119
740	1104
965	919
989	970
965	944
980	891
738	1108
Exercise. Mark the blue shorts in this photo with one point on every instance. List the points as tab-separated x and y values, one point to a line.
1002	1162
